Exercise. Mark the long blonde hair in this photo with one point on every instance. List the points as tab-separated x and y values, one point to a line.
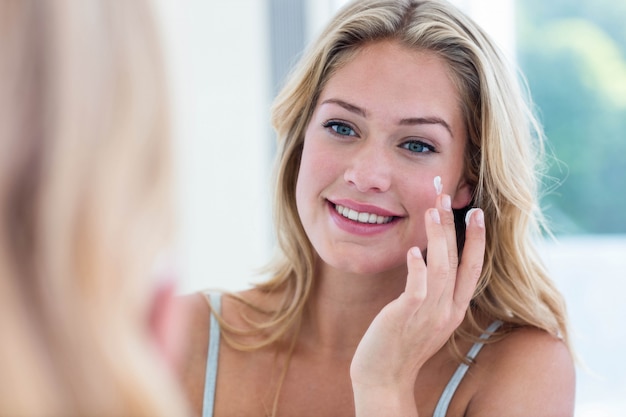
85	185
502	163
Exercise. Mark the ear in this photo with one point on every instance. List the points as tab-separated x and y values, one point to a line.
463	195
164	322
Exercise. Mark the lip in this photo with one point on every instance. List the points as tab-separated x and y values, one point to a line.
357	228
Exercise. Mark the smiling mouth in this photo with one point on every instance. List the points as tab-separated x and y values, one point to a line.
367	218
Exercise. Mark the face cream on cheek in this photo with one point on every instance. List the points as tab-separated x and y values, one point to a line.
438	185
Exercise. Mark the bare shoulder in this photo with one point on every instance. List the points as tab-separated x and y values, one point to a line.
196	335
192	369
529	372
198	314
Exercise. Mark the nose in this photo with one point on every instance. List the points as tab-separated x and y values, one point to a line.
369	169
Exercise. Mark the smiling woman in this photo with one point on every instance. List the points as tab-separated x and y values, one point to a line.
386	163
401	120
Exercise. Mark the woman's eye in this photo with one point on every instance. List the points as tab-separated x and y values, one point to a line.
339	128
417	146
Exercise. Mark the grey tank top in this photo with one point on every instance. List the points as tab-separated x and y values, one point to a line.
213	356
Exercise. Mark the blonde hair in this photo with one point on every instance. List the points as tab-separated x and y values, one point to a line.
85	185
502	163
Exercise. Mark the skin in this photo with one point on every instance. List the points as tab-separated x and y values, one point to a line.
372	340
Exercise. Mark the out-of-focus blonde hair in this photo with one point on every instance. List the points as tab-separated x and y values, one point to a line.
502	162
85	182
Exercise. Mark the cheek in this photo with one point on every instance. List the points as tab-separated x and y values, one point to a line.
419	196
311	175
420	193
318	167
306	173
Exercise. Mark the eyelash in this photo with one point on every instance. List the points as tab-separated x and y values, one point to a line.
335	125
426	148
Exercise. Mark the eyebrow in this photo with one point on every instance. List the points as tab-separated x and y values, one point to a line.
350	107
426	121
411	121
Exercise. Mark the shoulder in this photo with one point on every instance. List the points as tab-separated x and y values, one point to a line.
197	317
195	332
528	372
196	335
234	309
196	328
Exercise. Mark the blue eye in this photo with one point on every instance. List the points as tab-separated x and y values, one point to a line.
340	128
417	147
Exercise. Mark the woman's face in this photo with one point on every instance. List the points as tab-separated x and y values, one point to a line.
384	126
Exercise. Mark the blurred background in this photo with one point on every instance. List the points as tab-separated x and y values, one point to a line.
228	58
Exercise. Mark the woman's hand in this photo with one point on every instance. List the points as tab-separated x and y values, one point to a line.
412	328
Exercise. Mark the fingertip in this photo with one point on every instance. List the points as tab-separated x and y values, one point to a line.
415	252
416	277
446	202
478	215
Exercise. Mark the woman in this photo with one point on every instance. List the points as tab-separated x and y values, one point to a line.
406	208
86	318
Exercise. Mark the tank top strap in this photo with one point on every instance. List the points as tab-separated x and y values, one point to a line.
457	377
212	356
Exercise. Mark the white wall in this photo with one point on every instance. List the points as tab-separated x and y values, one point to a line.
218	58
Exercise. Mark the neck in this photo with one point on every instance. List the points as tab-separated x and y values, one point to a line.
342	306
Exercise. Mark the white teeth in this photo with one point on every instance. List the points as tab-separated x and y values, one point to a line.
370	218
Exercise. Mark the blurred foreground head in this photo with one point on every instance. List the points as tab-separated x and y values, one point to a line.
85	209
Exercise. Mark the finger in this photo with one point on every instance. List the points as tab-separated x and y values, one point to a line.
437	256
443	203
444	206
472	258
416	278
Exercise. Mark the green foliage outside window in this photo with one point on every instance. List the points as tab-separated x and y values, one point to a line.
573	54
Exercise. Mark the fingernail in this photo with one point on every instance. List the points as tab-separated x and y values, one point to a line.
437	183
434	214
479	217
446	202
416	252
